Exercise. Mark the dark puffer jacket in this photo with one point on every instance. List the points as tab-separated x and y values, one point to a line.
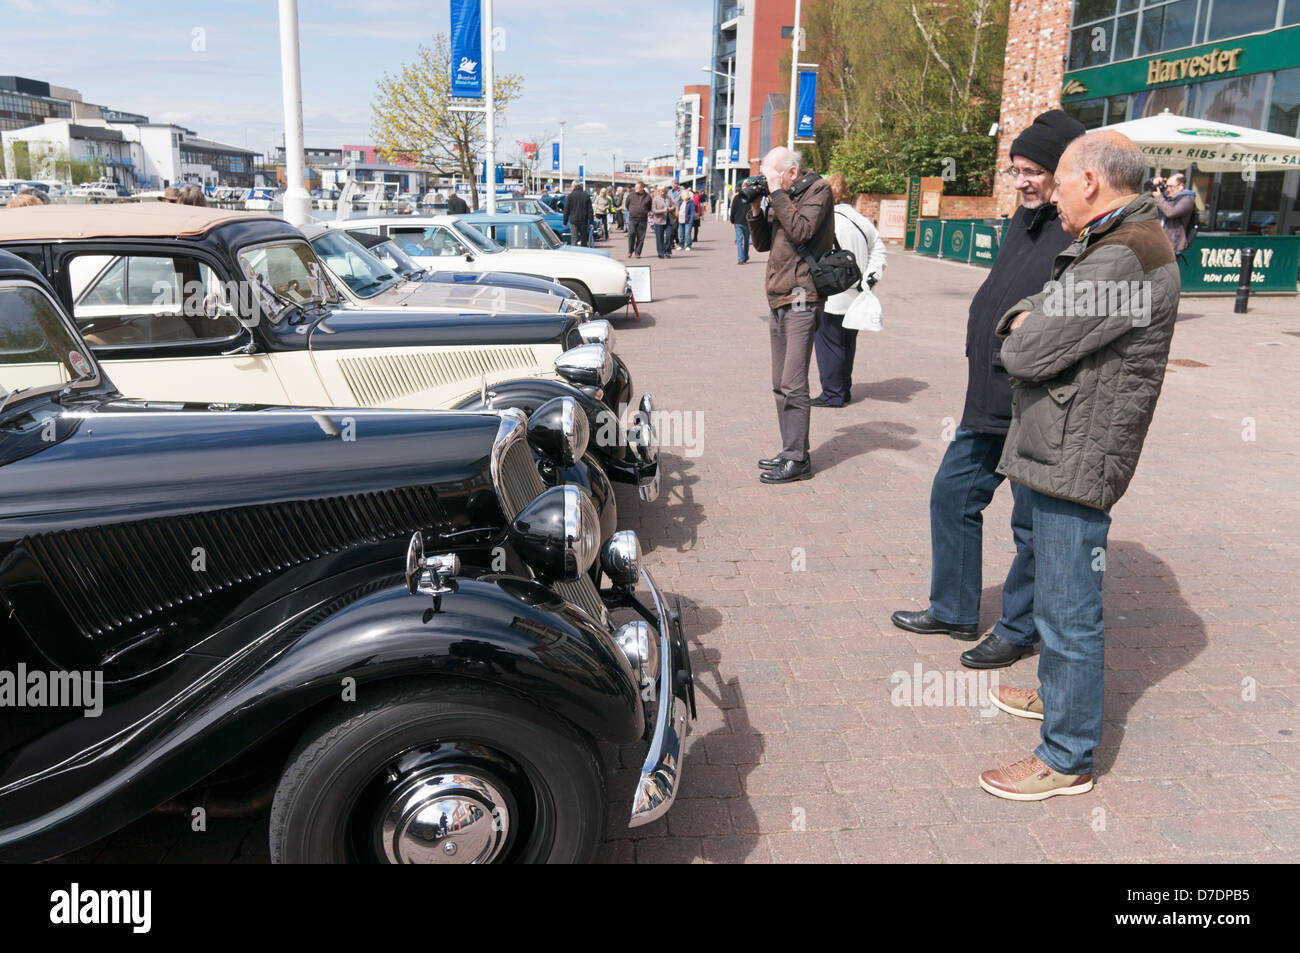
1088	362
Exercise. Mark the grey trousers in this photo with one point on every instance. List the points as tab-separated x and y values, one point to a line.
792	331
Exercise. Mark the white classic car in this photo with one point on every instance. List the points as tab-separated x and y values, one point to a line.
446	243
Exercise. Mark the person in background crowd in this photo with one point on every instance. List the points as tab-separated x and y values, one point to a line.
685	219
836	345
672	195
659	209
968	475
171	195
638	214
600	206
193	195
577	214
1177	204
1088	367
700	209
457	205
797	213
740	219
617	208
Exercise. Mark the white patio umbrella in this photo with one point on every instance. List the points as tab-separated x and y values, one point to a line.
1173	142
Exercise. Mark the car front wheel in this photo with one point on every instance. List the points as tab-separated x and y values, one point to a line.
442	774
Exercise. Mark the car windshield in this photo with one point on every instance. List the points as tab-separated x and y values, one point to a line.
477	239
291	271
552	239
528	207
396	259
37	351
350	262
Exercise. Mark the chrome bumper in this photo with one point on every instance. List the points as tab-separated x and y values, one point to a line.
661	773
645	446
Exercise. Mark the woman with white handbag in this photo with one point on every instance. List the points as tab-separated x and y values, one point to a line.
849	311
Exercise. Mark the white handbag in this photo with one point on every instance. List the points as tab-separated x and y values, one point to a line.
864	313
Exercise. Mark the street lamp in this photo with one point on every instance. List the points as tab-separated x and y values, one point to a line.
562	122
727	174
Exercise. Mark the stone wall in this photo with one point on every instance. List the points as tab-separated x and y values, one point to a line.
950	206
1038	40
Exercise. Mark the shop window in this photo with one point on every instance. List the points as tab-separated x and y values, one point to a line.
1117	109
1291	14
1090	48
1090	112
1239	17
1167	27
1155	101
1266	203
1085	11
1126	36
1230	203
1238	100
1284	112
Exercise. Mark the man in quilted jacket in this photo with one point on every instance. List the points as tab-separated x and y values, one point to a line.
1086	356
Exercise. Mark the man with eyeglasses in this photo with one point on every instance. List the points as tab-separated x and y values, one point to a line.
967	477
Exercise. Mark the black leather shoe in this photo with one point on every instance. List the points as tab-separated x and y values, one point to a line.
788	472
994	652
823	402
770	463
927	624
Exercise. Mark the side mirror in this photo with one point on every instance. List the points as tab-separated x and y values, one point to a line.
469	257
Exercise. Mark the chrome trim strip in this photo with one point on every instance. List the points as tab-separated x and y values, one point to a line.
661	773
511	429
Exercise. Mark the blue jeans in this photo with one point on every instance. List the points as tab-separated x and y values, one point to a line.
963	487
684	234
742	242
661	239
1070	558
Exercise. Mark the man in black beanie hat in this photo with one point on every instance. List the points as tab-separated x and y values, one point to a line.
968	477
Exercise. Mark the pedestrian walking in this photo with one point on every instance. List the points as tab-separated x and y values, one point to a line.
1088	365
577	214
600	205
968	475
638	215
797	216
700	209
740	221
836	345
685	220
659	208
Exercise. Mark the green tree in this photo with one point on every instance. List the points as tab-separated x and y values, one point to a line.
413	119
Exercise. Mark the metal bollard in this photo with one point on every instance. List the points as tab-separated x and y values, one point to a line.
1243	280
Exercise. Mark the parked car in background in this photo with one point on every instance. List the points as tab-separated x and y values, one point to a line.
364	280
217	306
524	231
397	632
531	205
448	243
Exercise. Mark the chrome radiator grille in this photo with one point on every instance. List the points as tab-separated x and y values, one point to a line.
582	593
112	575
375	381
520	481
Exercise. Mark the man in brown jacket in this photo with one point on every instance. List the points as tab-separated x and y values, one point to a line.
1087	359
798	213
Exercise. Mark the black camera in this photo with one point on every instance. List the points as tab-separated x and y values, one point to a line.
755	187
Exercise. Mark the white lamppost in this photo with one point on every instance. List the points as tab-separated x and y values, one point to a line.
297	203
562	122
727	174
490	129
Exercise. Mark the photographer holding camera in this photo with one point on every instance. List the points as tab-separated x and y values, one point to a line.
1177	205
795	226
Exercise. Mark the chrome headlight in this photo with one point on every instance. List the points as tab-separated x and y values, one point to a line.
558	533
599	331
620	557
559	431
586	364
639	644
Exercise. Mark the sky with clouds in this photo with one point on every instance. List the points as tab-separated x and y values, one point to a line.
612	70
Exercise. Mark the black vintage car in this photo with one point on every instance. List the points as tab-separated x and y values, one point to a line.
214	306
398	632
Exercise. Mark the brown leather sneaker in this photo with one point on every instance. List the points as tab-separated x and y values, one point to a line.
1031	780
1020	702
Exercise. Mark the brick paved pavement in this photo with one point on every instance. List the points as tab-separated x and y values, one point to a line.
799	753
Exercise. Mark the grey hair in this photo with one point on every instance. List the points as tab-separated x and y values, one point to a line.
1121	165
782	158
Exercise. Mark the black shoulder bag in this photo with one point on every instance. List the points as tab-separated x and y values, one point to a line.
835	271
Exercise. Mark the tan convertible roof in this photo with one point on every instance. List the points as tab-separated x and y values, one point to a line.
128	220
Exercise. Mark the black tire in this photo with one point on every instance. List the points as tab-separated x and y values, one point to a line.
581	290
558	792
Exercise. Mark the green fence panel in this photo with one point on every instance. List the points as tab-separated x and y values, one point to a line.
929	236
984	245
957	239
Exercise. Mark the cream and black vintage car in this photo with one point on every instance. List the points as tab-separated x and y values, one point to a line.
221	307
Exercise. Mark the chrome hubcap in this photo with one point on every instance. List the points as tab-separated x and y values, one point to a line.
437	817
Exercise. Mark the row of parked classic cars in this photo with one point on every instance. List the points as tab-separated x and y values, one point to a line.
321	523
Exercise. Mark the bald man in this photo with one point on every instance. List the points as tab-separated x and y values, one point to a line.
1087	359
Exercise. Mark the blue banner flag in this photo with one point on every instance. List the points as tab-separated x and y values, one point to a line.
733	149
699	161
582	174
555	157
807	105
466	50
